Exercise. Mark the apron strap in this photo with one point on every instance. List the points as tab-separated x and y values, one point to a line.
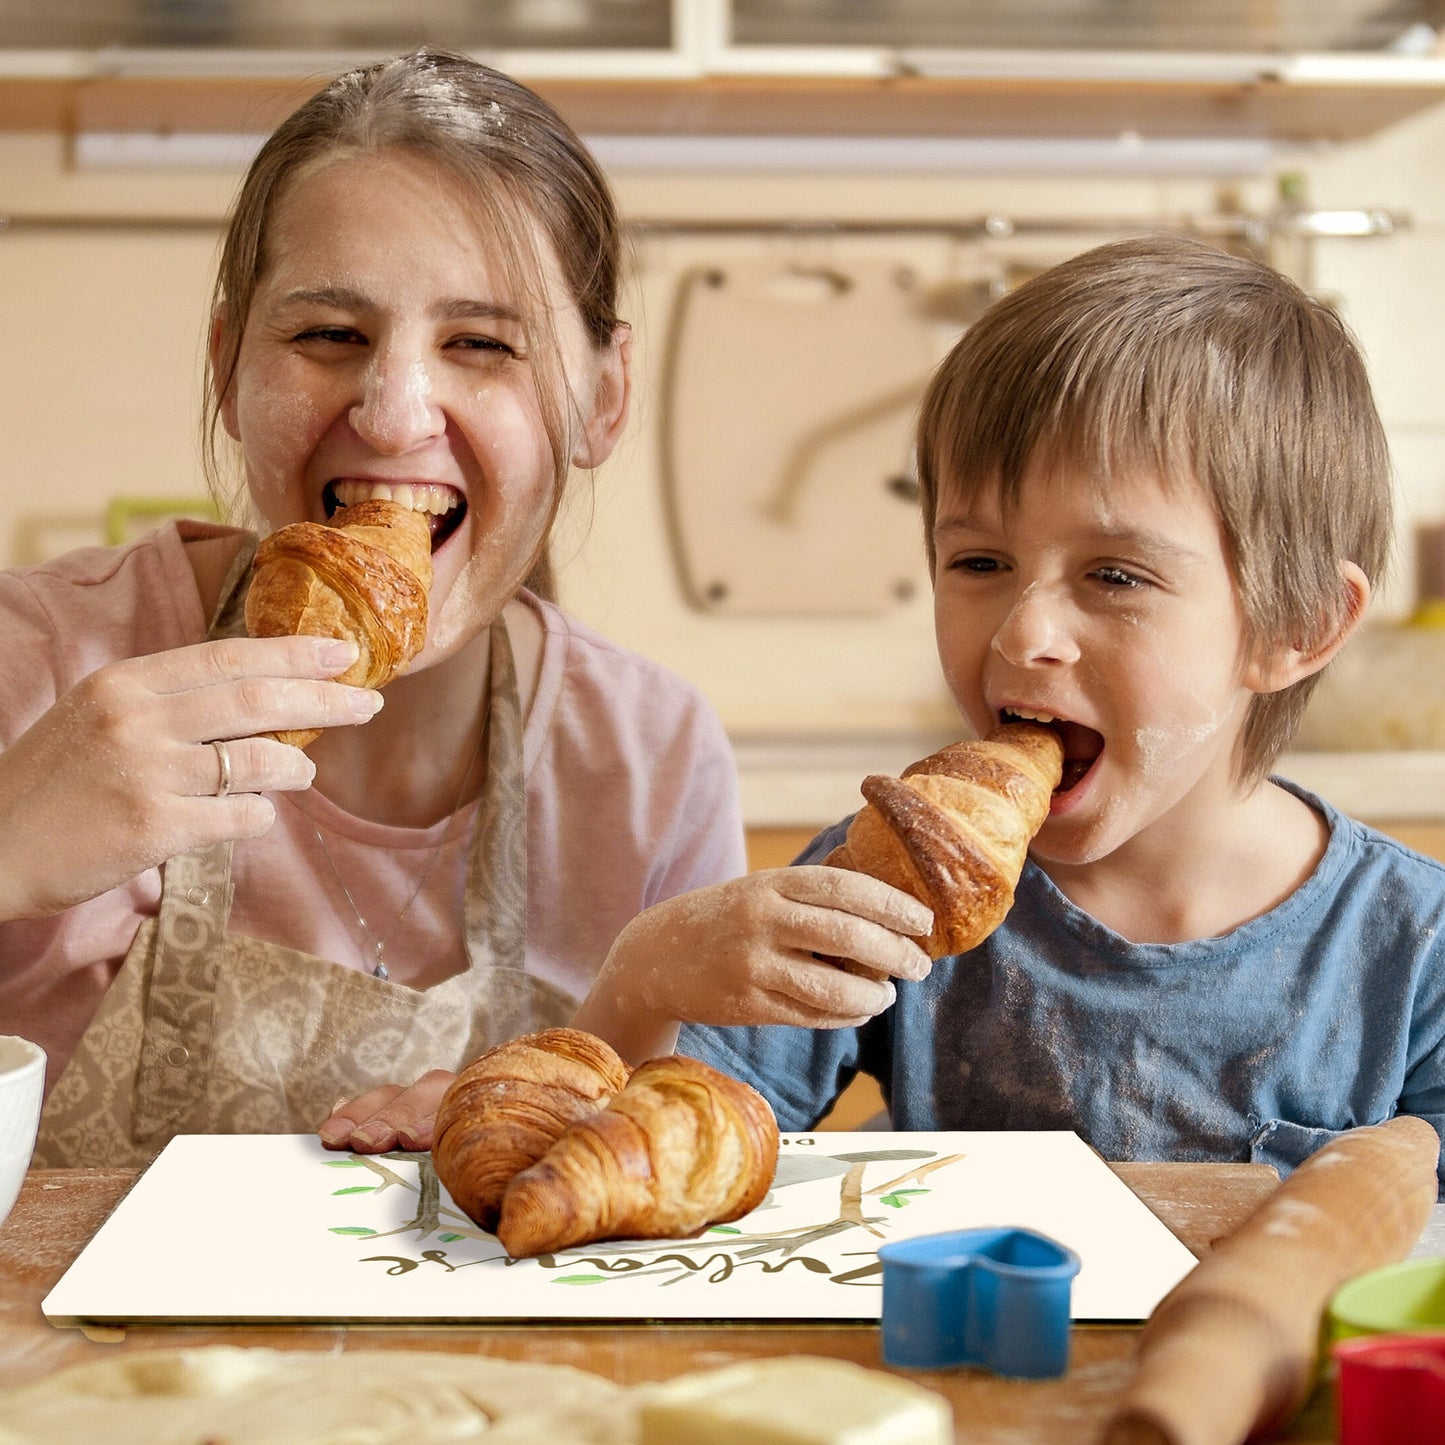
195	907
496	891
176	1042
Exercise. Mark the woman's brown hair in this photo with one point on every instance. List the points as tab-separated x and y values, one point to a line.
520	161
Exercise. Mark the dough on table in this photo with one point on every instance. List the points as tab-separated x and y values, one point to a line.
227	1395
792	1400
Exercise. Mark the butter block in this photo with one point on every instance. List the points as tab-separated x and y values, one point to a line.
793	1400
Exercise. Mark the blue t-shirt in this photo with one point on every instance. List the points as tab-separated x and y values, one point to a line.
1326	1013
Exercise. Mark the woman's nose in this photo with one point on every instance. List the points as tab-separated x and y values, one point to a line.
1036	630
396	410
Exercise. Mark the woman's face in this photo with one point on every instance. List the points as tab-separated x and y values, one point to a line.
385	356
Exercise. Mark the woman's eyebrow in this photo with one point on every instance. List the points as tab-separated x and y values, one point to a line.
463	308
451	308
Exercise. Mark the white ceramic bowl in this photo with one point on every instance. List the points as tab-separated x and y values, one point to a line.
22	1082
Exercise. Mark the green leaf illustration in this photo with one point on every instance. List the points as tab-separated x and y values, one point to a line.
723	1229
449	1238
355	1189
352	1163
899	1197
580	1279
359	1230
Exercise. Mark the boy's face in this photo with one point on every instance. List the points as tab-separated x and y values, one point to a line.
1112	609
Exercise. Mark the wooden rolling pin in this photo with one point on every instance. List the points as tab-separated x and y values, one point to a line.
1230	1353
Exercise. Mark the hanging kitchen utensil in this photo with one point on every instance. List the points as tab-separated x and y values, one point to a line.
789	401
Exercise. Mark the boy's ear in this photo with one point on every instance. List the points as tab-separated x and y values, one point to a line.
228	402
1277	668
611	396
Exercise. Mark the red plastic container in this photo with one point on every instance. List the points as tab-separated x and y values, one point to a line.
1390	1390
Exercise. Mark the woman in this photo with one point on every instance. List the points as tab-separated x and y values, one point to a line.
212	931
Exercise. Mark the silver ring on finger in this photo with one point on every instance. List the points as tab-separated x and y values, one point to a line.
223	759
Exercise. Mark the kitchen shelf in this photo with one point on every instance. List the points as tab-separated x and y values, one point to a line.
1296	105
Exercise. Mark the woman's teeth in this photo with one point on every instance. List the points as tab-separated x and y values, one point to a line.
418	497
1022	714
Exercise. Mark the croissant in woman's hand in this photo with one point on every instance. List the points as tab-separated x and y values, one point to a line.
365	575
509	1106
955	829
681	1147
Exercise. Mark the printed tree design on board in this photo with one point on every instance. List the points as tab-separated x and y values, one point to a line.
714	1256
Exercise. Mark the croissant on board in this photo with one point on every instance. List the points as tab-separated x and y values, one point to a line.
509	1106
363	575
681	1147
955	829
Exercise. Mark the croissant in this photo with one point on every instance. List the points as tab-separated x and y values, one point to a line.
508	1106
364	575
955	829
681	1147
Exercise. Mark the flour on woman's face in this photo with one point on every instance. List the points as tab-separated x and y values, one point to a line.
385	350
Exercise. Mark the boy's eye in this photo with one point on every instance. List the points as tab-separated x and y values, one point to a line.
1118	577
975	564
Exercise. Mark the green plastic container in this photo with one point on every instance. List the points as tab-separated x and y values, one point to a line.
1400	1299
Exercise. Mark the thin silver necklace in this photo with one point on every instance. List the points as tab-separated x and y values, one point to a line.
378	945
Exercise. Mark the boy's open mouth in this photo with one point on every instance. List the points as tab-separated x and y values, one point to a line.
1082	745
444	506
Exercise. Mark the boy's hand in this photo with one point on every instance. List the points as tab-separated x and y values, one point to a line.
812	946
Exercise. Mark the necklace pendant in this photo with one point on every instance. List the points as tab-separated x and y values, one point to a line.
381	970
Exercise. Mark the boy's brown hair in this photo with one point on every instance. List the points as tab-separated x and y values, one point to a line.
1167	357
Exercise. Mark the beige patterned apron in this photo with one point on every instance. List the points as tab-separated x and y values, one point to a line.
209	1032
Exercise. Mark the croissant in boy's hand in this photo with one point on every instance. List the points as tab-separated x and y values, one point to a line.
364	575
672	1149
955	829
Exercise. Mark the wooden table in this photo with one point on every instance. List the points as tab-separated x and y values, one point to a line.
59	1210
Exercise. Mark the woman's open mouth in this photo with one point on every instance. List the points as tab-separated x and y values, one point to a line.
1082	745
444	506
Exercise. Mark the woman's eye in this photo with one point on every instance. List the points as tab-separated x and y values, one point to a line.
339	335
486	344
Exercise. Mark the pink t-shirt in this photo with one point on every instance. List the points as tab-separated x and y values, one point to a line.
631	798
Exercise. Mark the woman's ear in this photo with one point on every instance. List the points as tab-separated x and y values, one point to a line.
611	396
1277	668
214	348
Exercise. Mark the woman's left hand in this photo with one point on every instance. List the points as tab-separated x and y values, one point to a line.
394	1116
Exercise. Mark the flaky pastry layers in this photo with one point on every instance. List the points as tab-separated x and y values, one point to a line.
365	575
548	1143
510	1105
681	1147
955	829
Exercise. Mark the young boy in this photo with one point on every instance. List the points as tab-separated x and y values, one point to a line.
1156	496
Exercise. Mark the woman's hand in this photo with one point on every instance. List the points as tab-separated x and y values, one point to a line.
812	946
120	774
394	1116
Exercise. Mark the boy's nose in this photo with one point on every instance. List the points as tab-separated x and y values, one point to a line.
1036	632
396	409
